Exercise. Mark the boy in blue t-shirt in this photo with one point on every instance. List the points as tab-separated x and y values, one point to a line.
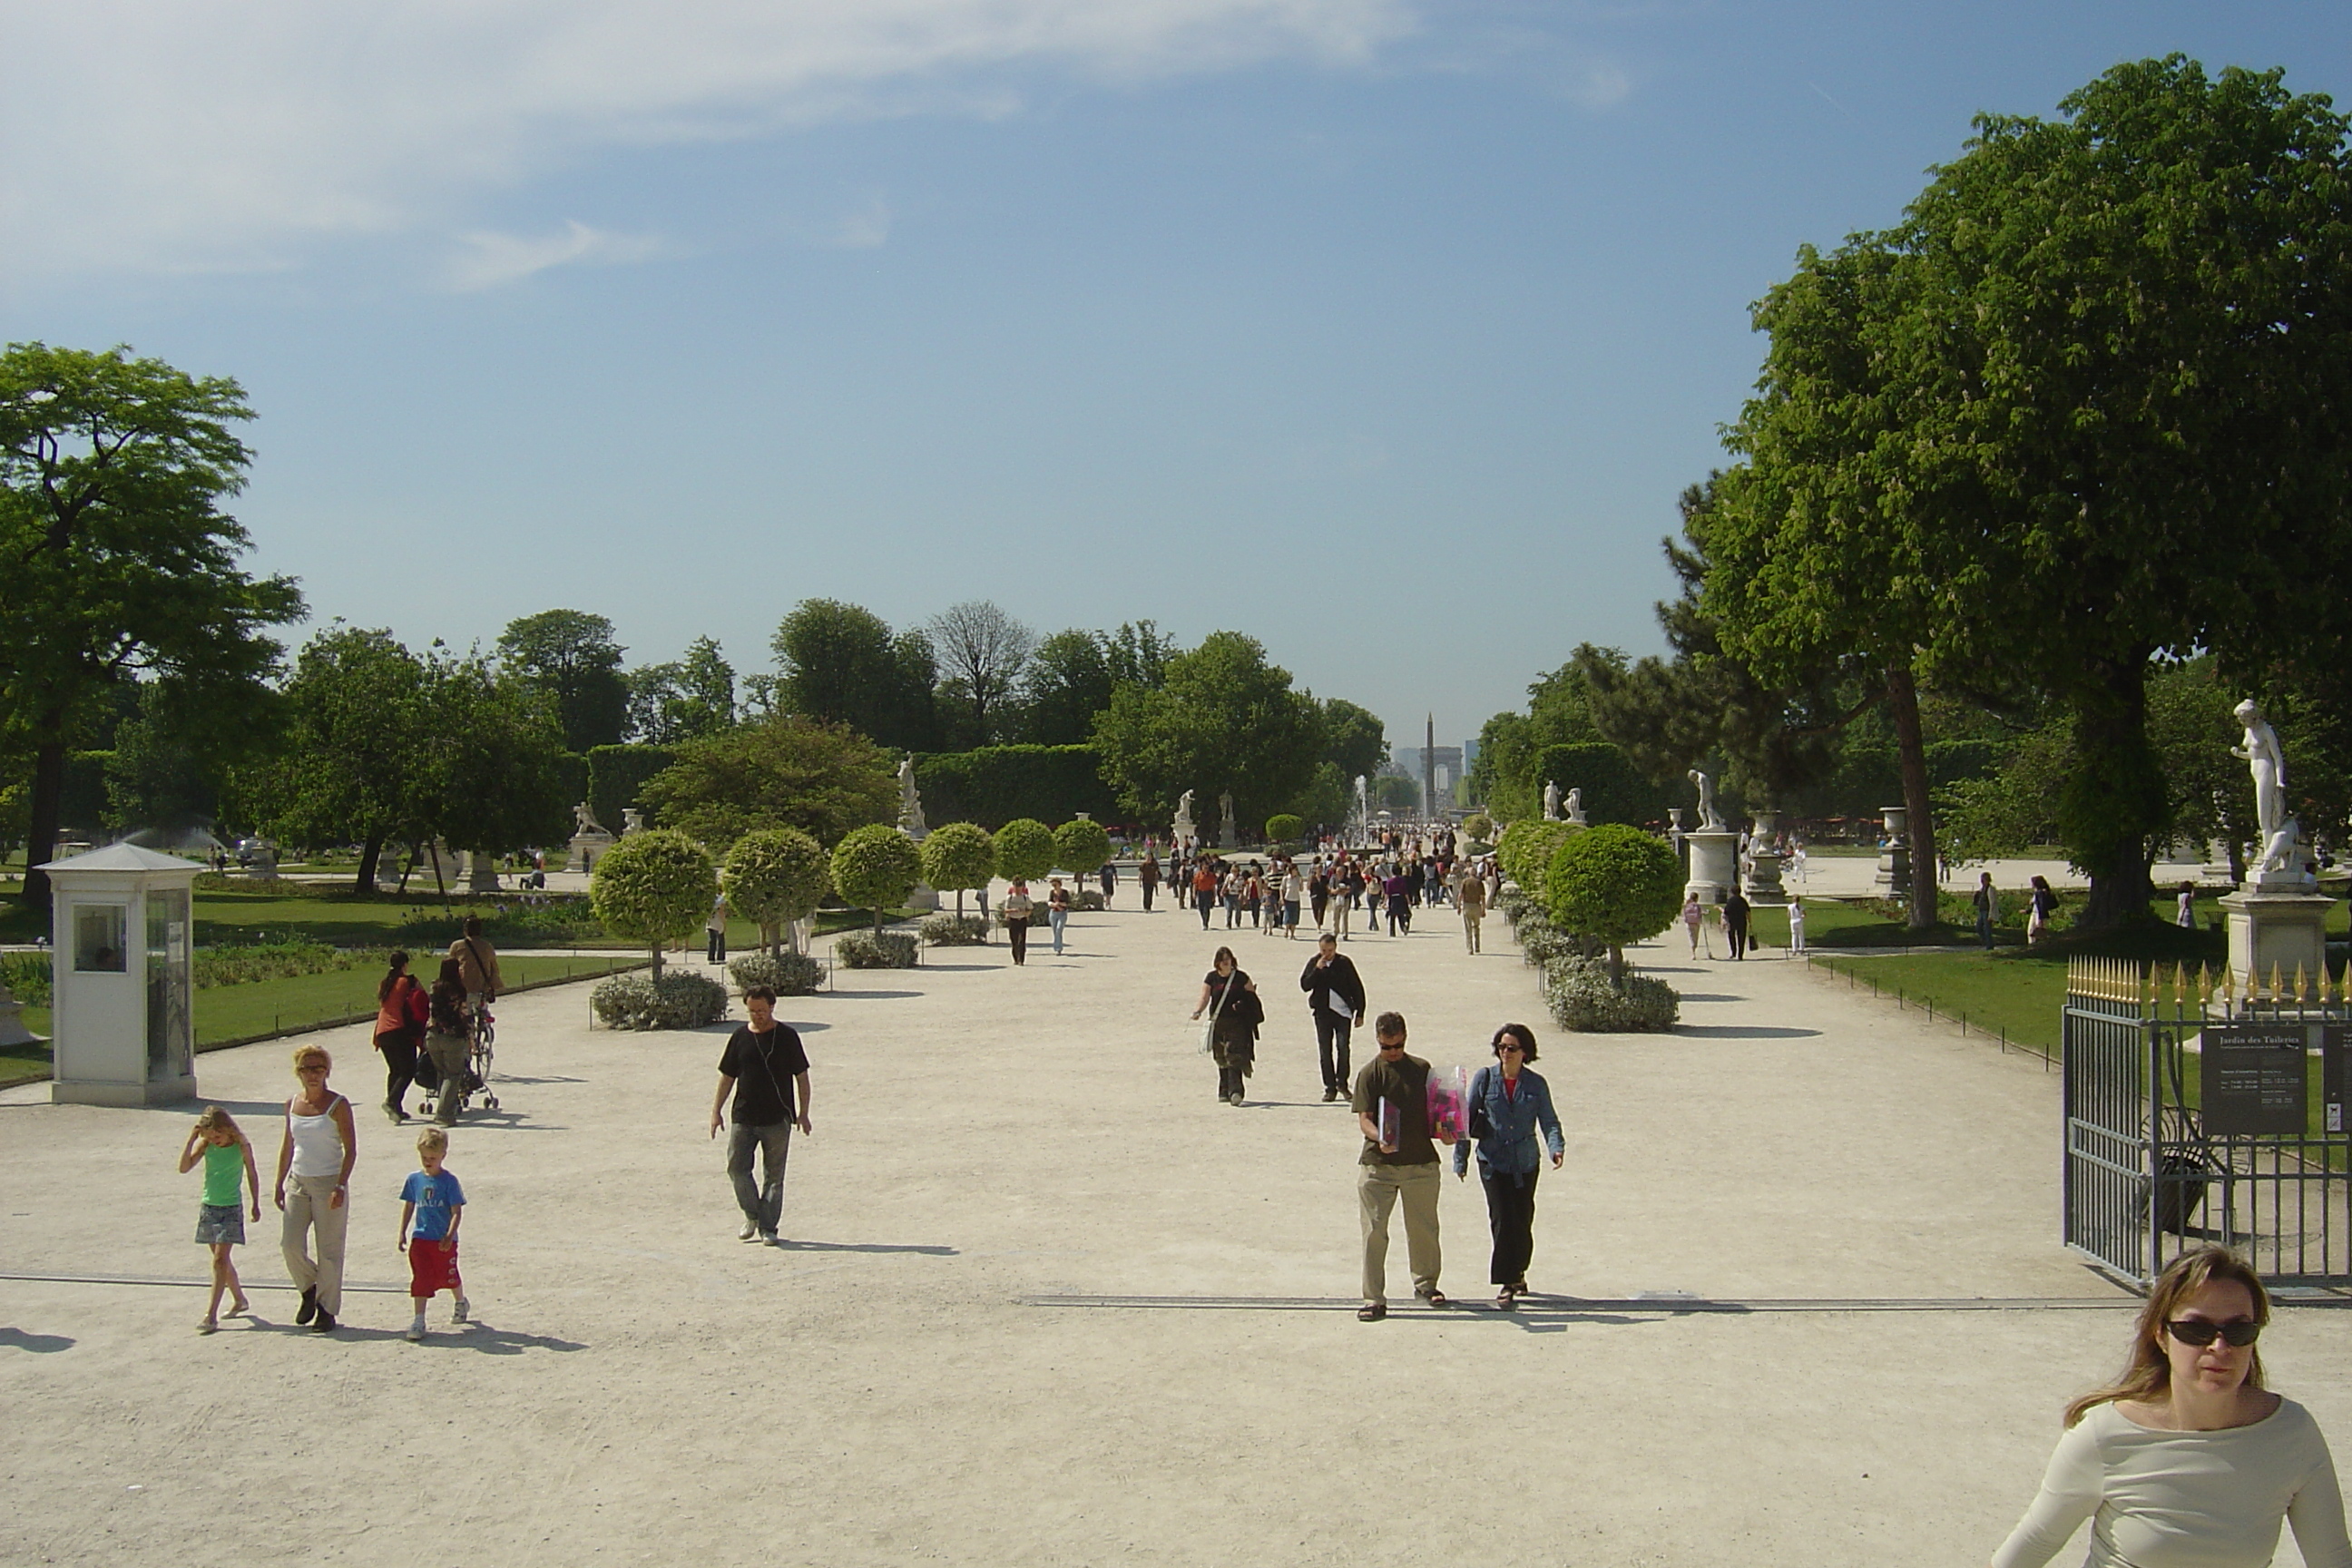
431	1207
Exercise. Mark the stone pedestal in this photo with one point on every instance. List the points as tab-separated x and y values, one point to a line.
923	897
1761	878
1713	864
1893	878
12	1021
588	847
2284	929
481	872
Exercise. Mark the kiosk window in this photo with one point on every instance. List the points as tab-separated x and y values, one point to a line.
98	931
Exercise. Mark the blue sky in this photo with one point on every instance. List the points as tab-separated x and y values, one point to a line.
1387	333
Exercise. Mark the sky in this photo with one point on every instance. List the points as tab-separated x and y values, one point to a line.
1387	333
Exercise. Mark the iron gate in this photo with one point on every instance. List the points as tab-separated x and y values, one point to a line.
2202	1110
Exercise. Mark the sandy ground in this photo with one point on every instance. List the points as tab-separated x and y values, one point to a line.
1046	1300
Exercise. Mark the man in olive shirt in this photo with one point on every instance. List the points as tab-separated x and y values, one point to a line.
1404	1164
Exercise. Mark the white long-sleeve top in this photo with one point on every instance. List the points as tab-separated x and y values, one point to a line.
2186	1499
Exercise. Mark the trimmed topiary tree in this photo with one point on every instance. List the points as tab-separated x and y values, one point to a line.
1081	845
1479	826
773	877
1613	884
653	887
1025	849
959	855
1283	828
874	867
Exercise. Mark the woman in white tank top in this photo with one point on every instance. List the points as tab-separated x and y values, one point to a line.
314	1174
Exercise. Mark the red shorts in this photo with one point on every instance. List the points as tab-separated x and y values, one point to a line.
433	1267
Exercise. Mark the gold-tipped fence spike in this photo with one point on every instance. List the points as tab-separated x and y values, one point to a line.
2278	983
2204	983
2229	986
2180	984
2301	992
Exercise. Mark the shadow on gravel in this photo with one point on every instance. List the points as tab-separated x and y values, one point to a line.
864	1246
39	1344
1743	1032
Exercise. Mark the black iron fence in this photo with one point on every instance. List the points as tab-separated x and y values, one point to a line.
2203	1107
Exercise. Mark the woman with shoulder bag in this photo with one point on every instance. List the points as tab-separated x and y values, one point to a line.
1229	998
448	1040
400	1017
1508	1107
1018	906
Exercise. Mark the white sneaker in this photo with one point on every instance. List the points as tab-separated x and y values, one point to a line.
749	1233
416	1329
463	1314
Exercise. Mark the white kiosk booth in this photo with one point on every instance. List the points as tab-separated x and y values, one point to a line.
124	973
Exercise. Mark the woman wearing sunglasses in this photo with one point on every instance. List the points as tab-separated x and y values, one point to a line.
2187	1458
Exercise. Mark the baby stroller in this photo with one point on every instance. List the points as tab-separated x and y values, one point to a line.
481	1049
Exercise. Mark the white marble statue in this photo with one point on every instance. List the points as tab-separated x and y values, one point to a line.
1228	832
584	819
1709	820
1576	805
1363	798
1551	801
2268	765
911	804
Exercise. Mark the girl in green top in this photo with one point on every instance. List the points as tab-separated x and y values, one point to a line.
217	1140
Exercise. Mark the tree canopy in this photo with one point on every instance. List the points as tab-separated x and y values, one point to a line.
572	656
780	772
840	664
874	867
683	699
652	887
1225	721
983	653
775	876
120	559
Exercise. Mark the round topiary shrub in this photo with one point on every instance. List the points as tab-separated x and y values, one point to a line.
1024	850
957	857
1283	828
657	1002
786	974
1583	997
653	887
1614	885
1081	845
773	877
875	950
874	867
944	930
1479	826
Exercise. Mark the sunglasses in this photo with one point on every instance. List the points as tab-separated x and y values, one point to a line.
2197	1332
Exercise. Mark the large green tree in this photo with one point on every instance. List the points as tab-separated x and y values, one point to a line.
1067	683
491	779
116	559
840	664
683	698
1225	721
575	657
2122	381
779	771
983	653
1354	739
353	766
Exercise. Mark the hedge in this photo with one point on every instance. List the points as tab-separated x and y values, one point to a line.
997	785
615	773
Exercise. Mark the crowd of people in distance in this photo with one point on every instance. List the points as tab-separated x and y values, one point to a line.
1379	884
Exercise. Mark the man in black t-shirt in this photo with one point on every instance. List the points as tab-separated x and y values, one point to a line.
766	1069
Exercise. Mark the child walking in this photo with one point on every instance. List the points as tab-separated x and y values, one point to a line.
220	1223
432	1205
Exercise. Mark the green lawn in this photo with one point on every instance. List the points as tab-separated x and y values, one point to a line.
2002	993
236	1012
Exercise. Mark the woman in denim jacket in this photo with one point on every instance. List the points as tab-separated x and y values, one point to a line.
1509	1105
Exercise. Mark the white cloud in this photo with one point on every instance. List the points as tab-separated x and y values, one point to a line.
864	229
236	134
490	259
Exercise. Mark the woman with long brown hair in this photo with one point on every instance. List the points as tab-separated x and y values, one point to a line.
2187	1458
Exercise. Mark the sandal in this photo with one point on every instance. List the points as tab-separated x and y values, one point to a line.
207	1327
1372	1311
1505	1300
1433	1296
